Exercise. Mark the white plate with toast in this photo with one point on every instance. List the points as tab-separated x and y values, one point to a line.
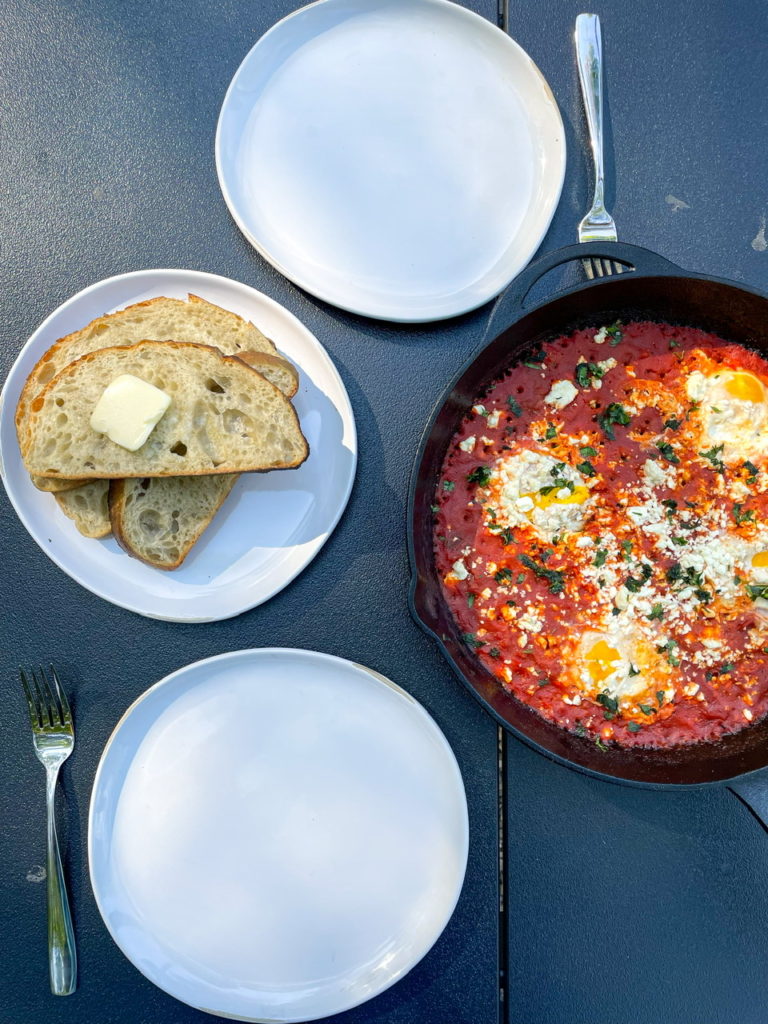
304	834
401	159
270	526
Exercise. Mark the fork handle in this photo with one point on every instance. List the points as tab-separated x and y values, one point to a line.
62	955
589	57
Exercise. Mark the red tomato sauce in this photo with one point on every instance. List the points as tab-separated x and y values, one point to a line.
639	623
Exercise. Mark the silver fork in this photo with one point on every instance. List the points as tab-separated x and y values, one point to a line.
53	737
598	225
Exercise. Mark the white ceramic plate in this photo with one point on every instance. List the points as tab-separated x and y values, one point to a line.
401	159
272	524
276	834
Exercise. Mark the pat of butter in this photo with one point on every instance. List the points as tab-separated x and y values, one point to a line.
129	410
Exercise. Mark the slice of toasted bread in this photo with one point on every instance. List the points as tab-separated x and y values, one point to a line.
193	320
224	417
158	519
88	506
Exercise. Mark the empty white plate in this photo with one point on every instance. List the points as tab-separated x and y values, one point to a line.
401	159
271	525
276	834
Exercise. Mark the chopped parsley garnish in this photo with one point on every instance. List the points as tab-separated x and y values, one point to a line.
554	577
633	584
722	670
756	590
660	698
610	704
586	468
448	485
614	413
551	432
614	333
587	372
743	517
598	742
520	577
674	573
494	652
546	554
668	452
479	475
506	535
690	525
670	648
588	451
656	612
472	641
702	595
713	455
646	708
669	503
470	599
753	471
626	547
633	671
680	541
579	729
634	726
600	557
514	406
503	576
672	424
435	508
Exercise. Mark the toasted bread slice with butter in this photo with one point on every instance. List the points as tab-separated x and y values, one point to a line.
224	417
87	503
192	320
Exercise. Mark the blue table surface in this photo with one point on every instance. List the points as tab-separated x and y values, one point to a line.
622	905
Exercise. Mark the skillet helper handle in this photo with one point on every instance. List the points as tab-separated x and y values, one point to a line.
752	790
510	305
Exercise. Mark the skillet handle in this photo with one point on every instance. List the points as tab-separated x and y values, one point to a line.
752	790
510	305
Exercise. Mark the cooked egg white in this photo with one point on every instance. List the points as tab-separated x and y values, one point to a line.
530	488
733	411
620	662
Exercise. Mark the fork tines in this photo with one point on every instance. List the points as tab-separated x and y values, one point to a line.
48	705
595	267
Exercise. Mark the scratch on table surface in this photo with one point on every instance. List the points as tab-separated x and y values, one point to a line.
37	873
759	243
676	204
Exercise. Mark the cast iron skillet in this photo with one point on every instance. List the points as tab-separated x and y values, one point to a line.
652	288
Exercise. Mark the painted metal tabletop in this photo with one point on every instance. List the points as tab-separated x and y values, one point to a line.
621	905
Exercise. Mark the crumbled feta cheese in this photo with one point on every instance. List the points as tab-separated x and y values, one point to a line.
468	444
493	419
460	570
561	394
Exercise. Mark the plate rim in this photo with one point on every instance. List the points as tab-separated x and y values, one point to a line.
247	654
200	277
457	10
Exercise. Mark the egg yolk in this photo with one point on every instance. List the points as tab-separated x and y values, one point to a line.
600	659
745	386
577	496
760	560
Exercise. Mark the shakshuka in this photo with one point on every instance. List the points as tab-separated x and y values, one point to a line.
601	532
